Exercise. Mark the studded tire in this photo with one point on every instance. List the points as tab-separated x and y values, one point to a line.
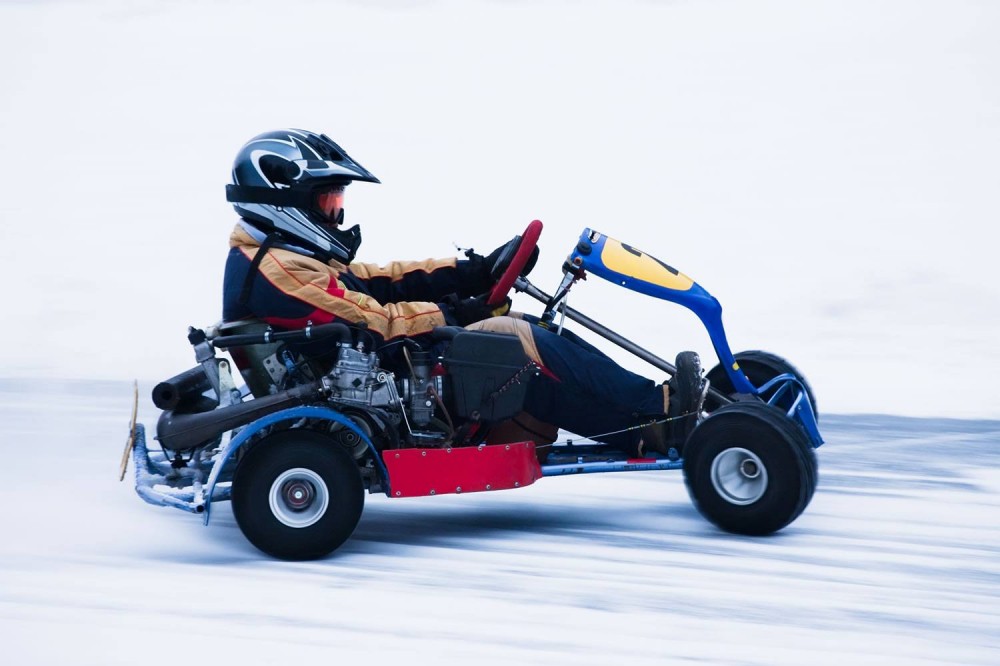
749	469
297	495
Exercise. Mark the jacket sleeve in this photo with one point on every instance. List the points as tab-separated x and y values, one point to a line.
291	290
427	280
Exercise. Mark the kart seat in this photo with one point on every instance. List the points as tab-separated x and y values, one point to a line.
490	374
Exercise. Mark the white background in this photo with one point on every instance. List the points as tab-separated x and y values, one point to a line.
828	170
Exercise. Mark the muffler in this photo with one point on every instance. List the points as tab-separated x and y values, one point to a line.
186	431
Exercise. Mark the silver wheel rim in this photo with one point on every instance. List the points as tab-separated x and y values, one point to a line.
739	476
298	497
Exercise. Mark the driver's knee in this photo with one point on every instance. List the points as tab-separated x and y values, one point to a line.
511	325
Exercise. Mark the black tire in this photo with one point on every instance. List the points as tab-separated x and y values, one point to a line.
310	512
760	367
749	469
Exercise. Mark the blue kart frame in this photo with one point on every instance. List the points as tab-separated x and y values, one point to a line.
633	269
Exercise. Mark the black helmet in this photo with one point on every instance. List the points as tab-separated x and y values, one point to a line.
277	179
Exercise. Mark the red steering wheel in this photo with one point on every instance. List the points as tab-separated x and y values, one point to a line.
522	247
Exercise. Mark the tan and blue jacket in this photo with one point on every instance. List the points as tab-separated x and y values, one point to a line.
290	289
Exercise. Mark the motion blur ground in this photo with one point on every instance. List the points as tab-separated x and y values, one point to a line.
895	562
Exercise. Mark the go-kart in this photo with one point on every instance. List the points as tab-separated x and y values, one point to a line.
295	449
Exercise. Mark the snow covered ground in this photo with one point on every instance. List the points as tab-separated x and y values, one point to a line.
827	169
897	560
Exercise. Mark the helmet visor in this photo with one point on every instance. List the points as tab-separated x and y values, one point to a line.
330	201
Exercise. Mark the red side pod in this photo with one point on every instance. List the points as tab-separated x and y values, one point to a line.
419	472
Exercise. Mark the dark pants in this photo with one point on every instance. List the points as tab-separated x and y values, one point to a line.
591	395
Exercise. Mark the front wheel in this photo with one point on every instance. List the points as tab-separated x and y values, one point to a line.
297	495
749	469
759	367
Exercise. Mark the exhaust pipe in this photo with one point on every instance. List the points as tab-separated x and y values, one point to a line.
182	432
186	388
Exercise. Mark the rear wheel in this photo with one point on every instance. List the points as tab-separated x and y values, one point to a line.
297	495
749	469
760	367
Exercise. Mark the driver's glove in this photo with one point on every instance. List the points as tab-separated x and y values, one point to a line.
465	311
473	274
476	272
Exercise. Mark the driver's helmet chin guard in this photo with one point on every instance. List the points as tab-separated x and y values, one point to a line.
279	181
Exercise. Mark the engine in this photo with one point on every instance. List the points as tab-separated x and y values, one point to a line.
357	379
487	381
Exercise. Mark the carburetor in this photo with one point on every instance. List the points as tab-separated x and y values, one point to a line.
357	378
421	390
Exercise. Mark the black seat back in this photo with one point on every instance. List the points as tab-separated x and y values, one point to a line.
489	375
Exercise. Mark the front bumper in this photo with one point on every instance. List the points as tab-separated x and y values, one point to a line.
158	482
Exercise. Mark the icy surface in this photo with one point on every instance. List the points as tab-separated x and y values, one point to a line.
897	560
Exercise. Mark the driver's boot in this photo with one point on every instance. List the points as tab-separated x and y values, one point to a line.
687	393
